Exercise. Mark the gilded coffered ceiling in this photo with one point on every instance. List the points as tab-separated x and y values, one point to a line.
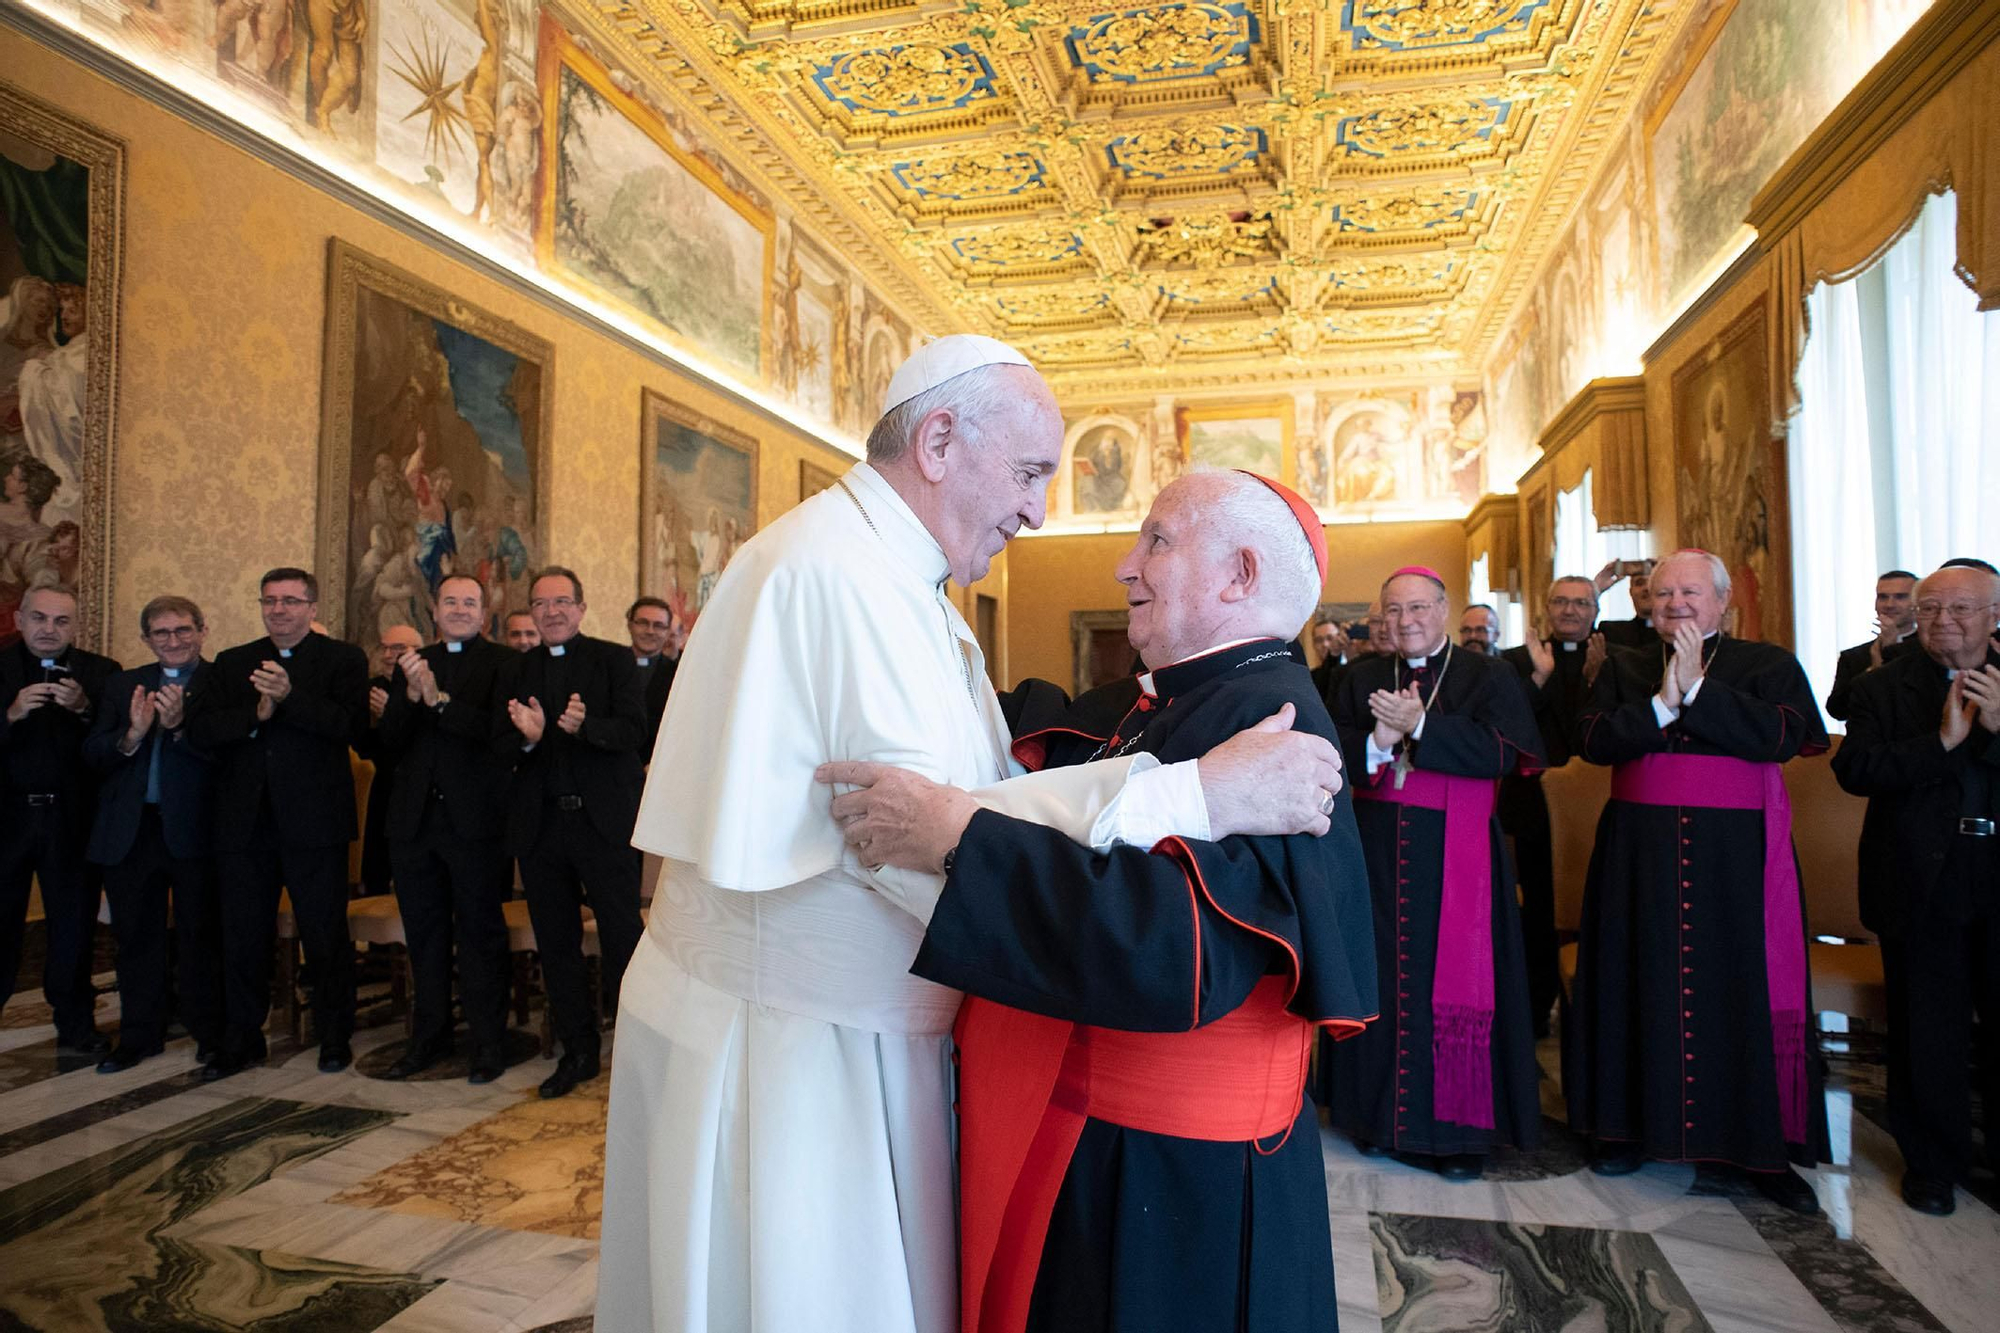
1203	193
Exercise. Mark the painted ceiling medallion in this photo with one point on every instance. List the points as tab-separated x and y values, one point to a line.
1174	151
981	176
1171	42
907	80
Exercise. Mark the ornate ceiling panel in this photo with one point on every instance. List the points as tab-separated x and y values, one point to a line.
1208	191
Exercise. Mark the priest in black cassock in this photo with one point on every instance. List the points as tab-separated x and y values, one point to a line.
1688	1037
1427	732
1137	1150
1557	665
1923	745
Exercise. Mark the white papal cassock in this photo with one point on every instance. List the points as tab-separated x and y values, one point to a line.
779	1157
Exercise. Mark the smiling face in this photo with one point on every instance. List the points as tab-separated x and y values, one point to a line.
174	638
1958	615
1896	602
1174	576
1642	596
1415	609
558	614
649	627
461	608
1323	640
288	609
1478	629
1684	593
997	478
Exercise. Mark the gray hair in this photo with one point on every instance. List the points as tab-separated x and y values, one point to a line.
1243	511
974	397
1718	572
1584	579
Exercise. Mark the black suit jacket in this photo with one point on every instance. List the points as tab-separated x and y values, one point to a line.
1558	702
601	762
43	752
187	775
297	760
448	750
1633	633
1855	663
659	681
1916	789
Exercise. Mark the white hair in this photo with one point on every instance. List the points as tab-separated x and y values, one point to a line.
1242	511
1718	572
974	397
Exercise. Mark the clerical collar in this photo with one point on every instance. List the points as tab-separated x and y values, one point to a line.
643	661
1419	663
284	652
557	649
454	645
172	673
896	524
48	662
1569	645
1189	672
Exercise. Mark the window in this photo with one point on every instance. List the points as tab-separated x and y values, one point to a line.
1894	457
1583	548
1479	588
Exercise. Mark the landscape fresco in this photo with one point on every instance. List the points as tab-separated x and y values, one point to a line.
630	217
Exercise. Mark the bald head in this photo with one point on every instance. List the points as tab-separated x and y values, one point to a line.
1958	610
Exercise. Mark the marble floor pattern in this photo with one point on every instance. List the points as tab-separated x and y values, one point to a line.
287	1199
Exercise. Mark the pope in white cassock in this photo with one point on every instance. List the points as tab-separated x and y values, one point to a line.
780	1148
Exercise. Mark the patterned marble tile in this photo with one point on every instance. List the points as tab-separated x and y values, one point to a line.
537	1166
25	1065
85	1246
517	1046
1455	1273
55	1126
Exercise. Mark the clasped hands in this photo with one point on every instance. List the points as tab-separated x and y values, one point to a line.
529	720
1684	670
1397	713
1267	780
166	705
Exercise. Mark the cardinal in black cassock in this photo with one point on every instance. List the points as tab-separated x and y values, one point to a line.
1137	1150
1693	927
1449	1071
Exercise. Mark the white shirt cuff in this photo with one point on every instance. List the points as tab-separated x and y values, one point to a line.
1663	714
1692	690
1377	756
1157	801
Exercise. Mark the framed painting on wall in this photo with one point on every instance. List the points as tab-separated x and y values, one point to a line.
813	479
1729	467
1100	648
698	502
630	216
1256	437
61	215
434	437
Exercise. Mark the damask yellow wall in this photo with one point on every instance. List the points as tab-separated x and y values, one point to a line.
217	434
1049	577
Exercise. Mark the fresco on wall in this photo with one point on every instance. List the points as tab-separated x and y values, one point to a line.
886	341
698	502
1250	436
1767	76
1418	450
455	111
435	438
1103	467
59	186
1730	467
810	316
630	217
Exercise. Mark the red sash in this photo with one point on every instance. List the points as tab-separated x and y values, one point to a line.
1717	782
1462	981
1030	1082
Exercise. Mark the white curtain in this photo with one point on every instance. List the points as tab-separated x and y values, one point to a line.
1582	548
1894	456
1479	588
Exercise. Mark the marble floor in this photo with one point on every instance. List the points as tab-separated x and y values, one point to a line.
285	1199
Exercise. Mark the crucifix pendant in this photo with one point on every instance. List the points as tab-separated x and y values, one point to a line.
1402	770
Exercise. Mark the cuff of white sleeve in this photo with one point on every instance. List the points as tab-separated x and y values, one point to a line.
1157	801
1377	756
1662	714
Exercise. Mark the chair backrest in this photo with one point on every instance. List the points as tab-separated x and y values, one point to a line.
1826	829
1576	794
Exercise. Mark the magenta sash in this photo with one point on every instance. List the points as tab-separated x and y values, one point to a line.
1462	984
1717	782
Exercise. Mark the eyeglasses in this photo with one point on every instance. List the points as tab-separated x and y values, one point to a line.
1956	610
176	634
1570	603
289	603
552	603
1398	610
659	625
